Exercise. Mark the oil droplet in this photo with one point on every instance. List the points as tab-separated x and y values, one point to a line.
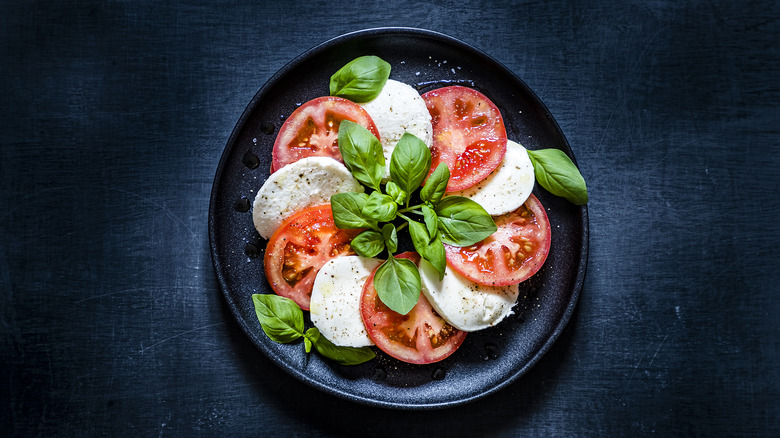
379	374
242	205
491	352
250	160
439	374
267	128
251	250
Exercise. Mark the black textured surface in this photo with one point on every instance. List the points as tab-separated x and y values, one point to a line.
115	115
426	60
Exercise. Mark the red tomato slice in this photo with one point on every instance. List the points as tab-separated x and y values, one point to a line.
312	130
299	248
419	337
468	134
510	255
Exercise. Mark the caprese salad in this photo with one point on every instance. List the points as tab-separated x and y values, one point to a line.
375	159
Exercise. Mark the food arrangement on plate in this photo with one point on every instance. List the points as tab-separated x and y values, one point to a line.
374	161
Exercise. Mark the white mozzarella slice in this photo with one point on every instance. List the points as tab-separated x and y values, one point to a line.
464	304
335	300
306	182
507	187
399	108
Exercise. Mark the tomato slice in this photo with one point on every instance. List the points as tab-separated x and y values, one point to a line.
299	248
312	130
512	254
419	337
468	134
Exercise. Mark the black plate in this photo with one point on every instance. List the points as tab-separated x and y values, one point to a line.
488	360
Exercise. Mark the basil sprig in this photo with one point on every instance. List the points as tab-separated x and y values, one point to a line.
361	80
282	320
555	171
453	220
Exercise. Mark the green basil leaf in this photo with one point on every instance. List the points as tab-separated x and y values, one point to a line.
391	237
431	222
436	185
398	284
463	222
430	249
379	207
348	210
410	163
310	337
555	171
280	317
437	256
361	80
342	355
395	192
369	243
313	334
362	153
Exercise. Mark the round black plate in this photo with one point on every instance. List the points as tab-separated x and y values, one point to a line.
488	360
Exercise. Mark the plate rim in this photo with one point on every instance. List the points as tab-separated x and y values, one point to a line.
298	374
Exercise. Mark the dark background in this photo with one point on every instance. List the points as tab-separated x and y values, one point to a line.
113	116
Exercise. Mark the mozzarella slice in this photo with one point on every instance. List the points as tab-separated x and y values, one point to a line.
335	300
399	109
306	182
507	187
466	305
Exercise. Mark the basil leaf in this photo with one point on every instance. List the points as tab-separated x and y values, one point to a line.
380	207
342	355
431	222
369	243
280	317
361	80
557	173
362	153
395	192
430	249
436	185
410	163
391	237
310	337
398	284
437	256
348	210
463	222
